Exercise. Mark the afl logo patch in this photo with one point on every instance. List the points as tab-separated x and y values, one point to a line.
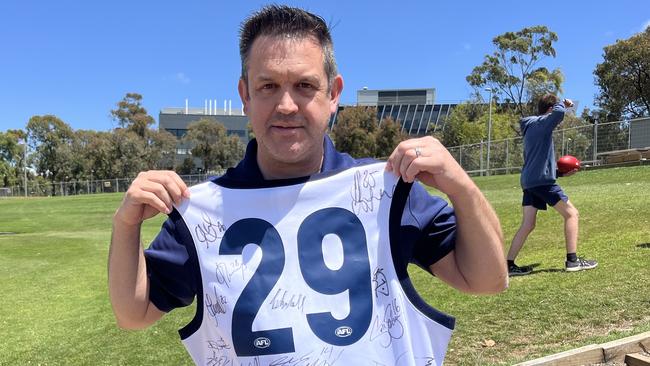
344	331
261	342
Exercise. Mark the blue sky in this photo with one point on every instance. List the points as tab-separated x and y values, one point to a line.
77	59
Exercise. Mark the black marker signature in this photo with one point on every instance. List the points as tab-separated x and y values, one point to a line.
225	271
216	306
208	232
381	284
388	328
282	300
364	192
218	345
326	357
217	359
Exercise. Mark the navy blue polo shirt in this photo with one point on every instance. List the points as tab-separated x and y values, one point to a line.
428	230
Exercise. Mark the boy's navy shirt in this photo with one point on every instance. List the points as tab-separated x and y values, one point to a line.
539	152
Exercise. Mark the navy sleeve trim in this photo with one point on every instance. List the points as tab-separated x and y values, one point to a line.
185	236
401	261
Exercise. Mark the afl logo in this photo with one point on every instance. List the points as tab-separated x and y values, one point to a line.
261	342
343	331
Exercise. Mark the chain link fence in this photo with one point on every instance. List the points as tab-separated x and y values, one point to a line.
42	187
622	142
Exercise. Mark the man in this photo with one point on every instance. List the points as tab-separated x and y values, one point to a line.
290	87
538	177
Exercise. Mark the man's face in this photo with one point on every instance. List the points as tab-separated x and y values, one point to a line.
287	101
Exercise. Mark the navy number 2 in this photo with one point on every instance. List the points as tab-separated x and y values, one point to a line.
353	276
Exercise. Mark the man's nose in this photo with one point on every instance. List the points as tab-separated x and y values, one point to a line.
287	104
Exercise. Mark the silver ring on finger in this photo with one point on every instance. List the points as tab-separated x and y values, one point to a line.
418	152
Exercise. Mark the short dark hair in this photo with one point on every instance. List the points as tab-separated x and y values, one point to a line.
282	20
546	102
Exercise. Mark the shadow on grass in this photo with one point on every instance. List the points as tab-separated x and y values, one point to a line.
542	270
644	245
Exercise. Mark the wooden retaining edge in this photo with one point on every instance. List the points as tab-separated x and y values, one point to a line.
614	351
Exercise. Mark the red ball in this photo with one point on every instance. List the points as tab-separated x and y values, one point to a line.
567	163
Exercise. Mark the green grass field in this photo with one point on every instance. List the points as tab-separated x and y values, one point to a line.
55	309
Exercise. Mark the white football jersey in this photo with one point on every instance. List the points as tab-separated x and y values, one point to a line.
305	274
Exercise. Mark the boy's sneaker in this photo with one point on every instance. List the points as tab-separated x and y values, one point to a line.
580	264
515	270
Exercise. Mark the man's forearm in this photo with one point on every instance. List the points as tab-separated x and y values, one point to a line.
127	277
479	243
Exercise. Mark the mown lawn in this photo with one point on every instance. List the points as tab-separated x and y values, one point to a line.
55	309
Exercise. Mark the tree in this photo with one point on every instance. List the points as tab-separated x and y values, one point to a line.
11	157
513	69
51	140
160	149
354	131
388	136
624	78
128	154
95	149
187	167
131	115
213	145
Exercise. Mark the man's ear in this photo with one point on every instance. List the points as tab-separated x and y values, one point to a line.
335	93
242	87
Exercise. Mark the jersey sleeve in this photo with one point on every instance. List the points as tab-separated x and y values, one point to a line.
172	266
436	223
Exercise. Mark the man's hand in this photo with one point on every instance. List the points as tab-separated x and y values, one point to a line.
151	192
427	160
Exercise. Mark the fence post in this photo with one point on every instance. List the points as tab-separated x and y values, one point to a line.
629	135
507	156
481	162
595	143
460	156
117	185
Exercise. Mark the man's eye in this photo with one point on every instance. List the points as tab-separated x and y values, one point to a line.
306	86
268	86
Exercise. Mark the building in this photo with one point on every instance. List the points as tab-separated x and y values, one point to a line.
177	120
413	109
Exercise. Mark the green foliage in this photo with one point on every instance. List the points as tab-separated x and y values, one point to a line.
513	69
51	139
130	114
11	157
468	124
213	145
624	78
388	136
187	167
354	132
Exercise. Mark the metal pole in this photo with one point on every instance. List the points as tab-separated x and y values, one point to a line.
25	167
481	166
595	147
489	132
507	157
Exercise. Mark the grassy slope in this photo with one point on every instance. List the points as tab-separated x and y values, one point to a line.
550	310
55	309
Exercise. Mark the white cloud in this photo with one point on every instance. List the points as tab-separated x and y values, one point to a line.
182	78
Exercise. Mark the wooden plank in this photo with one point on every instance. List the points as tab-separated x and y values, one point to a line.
576	357
637	359
616	350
